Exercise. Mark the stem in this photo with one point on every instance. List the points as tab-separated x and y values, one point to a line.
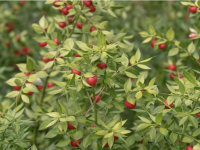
37	121
73	28
186	124
95	105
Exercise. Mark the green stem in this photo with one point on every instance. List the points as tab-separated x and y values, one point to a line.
73	28
95	105
37	121
186	124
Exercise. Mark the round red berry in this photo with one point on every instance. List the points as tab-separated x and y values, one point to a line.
171	67
77	55
45	59
152	43
16	87
79	25
74	143
92	80
172	75
17	38
71	127
40	87
65	11
27	73
51	59
165	103
102	66
93	125
49	85
54	3
129	105
162	46
97	97
181	76
43	44
76	72
106	145
198	114
56	40
116	138
92	28
22	3
30	93
189	147
92	8
193	9
69	7
62	24
87	3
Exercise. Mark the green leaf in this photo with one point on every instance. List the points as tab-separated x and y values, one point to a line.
32	77
30	64
145	120
128	85
112	13
108	135
54	114
52	44
143	66
196	132
147	40
43	22
173	137
131	99
163	131
173	52
187	140
102	132
137	55
110	141
86	141
12	94
142	126
151	83
183	120
34	147
25	98
193	121
138	95
63	143
130	75
48	65
159	118
102	24
51	27
152	133
130	140
37	28
78	135
51	123
170	34
191	48
190	77
152	30
31	87
119	106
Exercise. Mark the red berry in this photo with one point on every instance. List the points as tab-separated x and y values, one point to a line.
141	142
15	9
40	87
51	59
16	87
49	85
30	93
54	3
198	114
62	24
165	103
156	132
172	75
143	90
65	11
70	19
20	53
17	38
27	73
77	55
107	43
56	40
192	35
43	44
97	97
60	11
181	76
171	67
69	7
79	25
92	28
24	48
88	3
157	127
106	145
92	80
71	127
22	3
74	143
152	43
132	79
92	8
93	125
76	72
193	9
9	30
45	59
116	138
189	147
102	66
129	105
162	46
7	44
45	29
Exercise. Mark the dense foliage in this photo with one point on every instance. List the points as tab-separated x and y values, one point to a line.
91	87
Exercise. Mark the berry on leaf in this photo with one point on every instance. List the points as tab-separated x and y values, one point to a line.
49	85
27	73
30	93
172	75
92	80
76	72
129	105
92	29
69	7
152	43
97	97
162	46
198	114
79	25
166	104
171	67
56	40
62	24
106	145
189	147
102	66
193	9
77	55
65	11
54	3
42	44
71	127
74	144
92	8
16	87
45	59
